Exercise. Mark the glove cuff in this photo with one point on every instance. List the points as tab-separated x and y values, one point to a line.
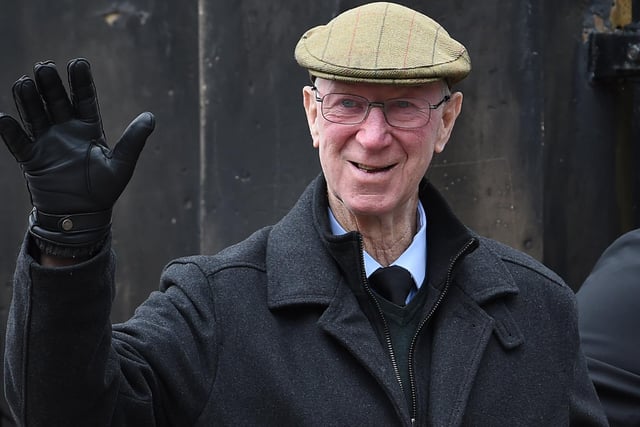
76	252
71	224
70	236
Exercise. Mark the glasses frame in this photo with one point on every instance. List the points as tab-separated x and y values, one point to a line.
371	104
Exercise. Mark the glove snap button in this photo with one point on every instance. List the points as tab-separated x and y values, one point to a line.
66	224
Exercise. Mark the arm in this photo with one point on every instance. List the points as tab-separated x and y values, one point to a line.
62	285
67	365
52	261
584	407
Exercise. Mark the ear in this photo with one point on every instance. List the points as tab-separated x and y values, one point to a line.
311	109
450	112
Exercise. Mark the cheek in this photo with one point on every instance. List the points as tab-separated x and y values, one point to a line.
321	143
418	165
330	145
420	156
327	154
328	139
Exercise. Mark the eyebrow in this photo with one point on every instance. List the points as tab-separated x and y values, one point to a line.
398	92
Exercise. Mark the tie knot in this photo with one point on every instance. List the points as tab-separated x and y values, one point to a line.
392	283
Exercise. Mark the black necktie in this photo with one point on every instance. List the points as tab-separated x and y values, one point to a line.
393	283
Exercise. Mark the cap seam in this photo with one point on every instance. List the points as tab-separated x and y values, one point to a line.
435	43
382	27
353	37
406	50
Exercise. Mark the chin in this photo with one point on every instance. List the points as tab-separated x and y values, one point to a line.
370	206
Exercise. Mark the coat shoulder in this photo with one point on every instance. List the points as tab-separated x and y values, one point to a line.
249	253
519	261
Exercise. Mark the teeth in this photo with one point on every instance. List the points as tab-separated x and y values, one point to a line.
366	168
371	168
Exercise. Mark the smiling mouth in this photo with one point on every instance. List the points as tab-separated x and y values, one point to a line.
371	169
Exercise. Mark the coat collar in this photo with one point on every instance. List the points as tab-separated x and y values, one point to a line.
299	265
301	253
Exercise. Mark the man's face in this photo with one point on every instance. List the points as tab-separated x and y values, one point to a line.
373	168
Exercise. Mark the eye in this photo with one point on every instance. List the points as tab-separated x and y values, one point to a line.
402	104
350	103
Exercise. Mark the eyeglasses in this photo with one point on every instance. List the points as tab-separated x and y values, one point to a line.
405	113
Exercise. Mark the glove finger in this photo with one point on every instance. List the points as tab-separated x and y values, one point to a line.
130	145
53	92
29	103
15	138
83	91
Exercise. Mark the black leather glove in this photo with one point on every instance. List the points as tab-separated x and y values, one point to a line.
73	177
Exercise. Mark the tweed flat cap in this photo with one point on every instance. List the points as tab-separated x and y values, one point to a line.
383	43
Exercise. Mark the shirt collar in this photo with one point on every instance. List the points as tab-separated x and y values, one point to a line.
414	258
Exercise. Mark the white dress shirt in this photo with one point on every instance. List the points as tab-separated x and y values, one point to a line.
414	258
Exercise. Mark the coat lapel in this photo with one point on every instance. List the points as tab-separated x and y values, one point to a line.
343	318
346	322
460	339
473	312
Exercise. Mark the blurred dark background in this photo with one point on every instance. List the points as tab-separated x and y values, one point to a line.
544	156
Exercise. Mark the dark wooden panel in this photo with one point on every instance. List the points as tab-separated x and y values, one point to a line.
586	125
148	60
258	153
490	169
145	57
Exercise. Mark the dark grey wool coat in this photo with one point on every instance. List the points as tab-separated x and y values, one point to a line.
278	330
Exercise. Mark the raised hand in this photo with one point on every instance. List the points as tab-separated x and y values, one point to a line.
72	175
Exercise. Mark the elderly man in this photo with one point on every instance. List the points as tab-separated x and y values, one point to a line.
368	304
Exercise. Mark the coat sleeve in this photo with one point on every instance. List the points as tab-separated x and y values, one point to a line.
585	408
608	301
66	365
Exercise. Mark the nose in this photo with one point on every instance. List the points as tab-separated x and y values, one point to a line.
376	107
374	129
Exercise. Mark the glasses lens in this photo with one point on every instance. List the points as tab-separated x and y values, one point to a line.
344	108
407	112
